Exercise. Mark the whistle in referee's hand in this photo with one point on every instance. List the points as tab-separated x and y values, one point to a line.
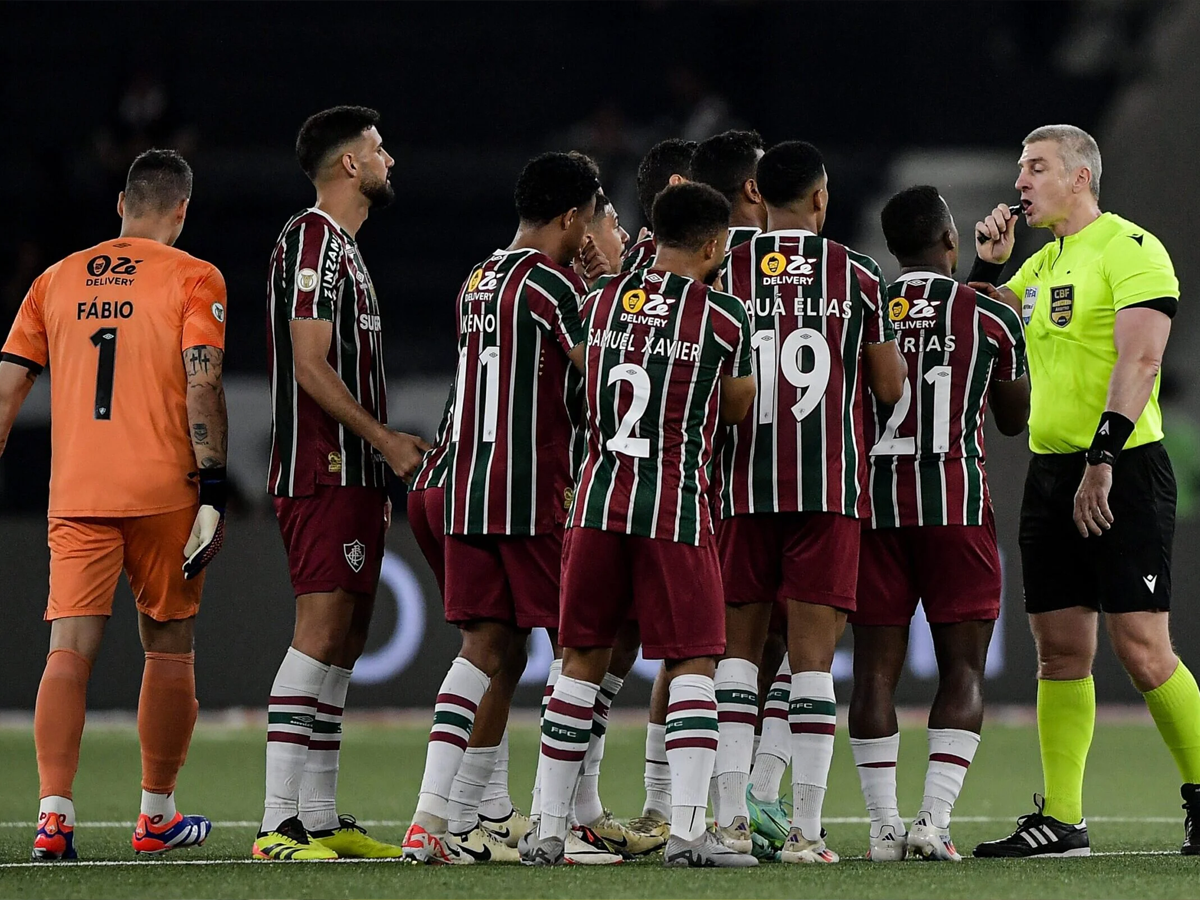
1013	208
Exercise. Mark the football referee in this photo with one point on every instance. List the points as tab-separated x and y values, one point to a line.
1098	513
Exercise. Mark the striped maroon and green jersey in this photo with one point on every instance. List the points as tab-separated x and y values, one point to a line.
318	273
435	462
510	433
813	304
576	401
639	255
658	345
739	234
927	453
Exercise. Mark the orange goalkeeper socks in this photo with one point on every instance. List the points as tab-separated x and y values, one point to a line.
167	710
58	720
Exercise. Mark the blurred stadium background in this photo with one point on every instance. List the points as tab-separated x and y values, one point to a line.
893	93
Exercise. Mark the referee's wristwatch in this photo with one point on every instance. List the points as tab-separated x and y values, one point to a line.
1097	456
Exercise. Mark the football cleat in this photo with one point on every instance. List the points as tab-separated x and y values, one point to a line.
736	835
653	827
583	847
152	838
928	842
762	849
483	846
772	820
889	845
424	846
510	829
1191	833
799	849
55	840
289	843
351	841
543	851
705	852
1039	835
623	839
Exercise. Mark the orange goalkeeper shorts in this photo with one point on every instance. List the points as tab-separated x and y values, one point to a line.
88	554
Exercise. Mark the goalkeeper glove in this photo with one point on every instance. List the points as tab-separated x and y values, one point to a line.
208	531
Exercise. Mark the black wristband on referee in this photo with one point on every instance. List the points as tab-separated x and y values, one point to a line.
214	488
1110	437
985	271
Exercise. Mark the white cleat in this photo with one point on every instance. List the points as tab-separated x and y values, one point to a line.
890	845
799	849
931	843
583	847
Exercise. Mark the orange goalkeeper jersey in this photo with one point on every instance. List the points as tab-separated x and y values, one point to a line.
112	323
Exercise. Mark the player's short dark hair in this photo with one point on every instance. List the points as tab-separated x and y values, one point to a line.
326	131
666	158
727	161
689	215
788	171
603	207
555	183
157	181
914	220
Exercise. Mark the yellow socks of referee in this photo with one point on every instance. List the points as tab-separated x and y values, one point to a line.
1175	706
1066	714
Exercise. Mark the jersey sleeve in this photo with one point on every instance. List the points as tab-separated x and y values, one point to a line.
1138	269
731	327
1021	278
204	312
554	299
27	344
312	255
1007	333
877	324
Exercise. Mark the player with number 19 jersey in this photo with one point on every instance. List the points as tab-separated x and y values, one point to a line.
813	303
792	476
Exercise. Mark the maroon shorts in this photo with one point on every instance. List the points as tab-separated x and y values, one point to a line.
807	556
334	538
953	570
509	579
428	523
673	589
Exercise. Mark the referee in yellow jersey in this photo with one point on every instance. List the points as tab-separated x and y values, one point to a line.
1098	514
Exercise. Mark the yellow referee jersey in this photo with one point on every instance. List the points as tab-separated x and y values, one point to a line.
1070	292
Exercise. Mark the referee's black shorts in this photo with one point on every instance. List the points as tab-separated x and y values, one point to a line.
1126	569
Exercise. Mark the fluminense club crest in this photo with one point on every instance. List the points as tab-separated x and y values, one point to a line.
356	554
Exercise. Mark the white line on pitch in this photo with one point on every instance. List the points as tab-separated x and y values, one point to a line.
120	863
829	820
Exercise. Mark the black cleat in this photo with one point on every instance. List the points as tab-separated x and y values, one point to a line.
1191	833
1039	835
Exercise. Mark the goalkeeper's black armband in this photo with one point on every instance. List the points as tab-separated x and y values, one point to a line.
986	272
1110	437
214	488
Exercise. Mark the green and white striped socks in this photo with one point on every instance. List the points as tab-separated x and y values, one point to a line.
453	718
737	713
566	731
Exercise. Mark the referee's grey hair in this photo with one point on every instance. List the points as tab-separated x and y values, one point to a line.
1078	149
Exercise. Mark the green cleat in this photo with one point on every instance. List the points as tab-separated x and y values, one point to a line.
771	820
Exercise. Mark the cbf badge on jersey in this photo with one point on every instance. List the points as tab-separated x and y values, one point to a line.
1028	303
1062	304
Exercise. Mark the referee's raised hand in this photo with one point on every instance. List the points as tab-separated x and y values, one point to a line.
995	235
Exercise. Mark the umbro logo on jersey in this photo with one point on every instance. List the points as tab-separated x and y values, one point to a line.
356	554
1138	238
1151	581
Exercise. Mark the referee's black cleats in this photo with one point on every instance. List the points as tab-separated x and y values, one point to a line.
1039	835
1191	827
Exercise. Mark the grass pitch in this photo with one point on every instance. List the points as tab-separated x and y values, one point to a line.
1132	798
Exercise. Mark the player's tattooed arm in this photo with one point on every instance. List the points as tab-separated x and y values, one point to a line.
208	421
15	383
